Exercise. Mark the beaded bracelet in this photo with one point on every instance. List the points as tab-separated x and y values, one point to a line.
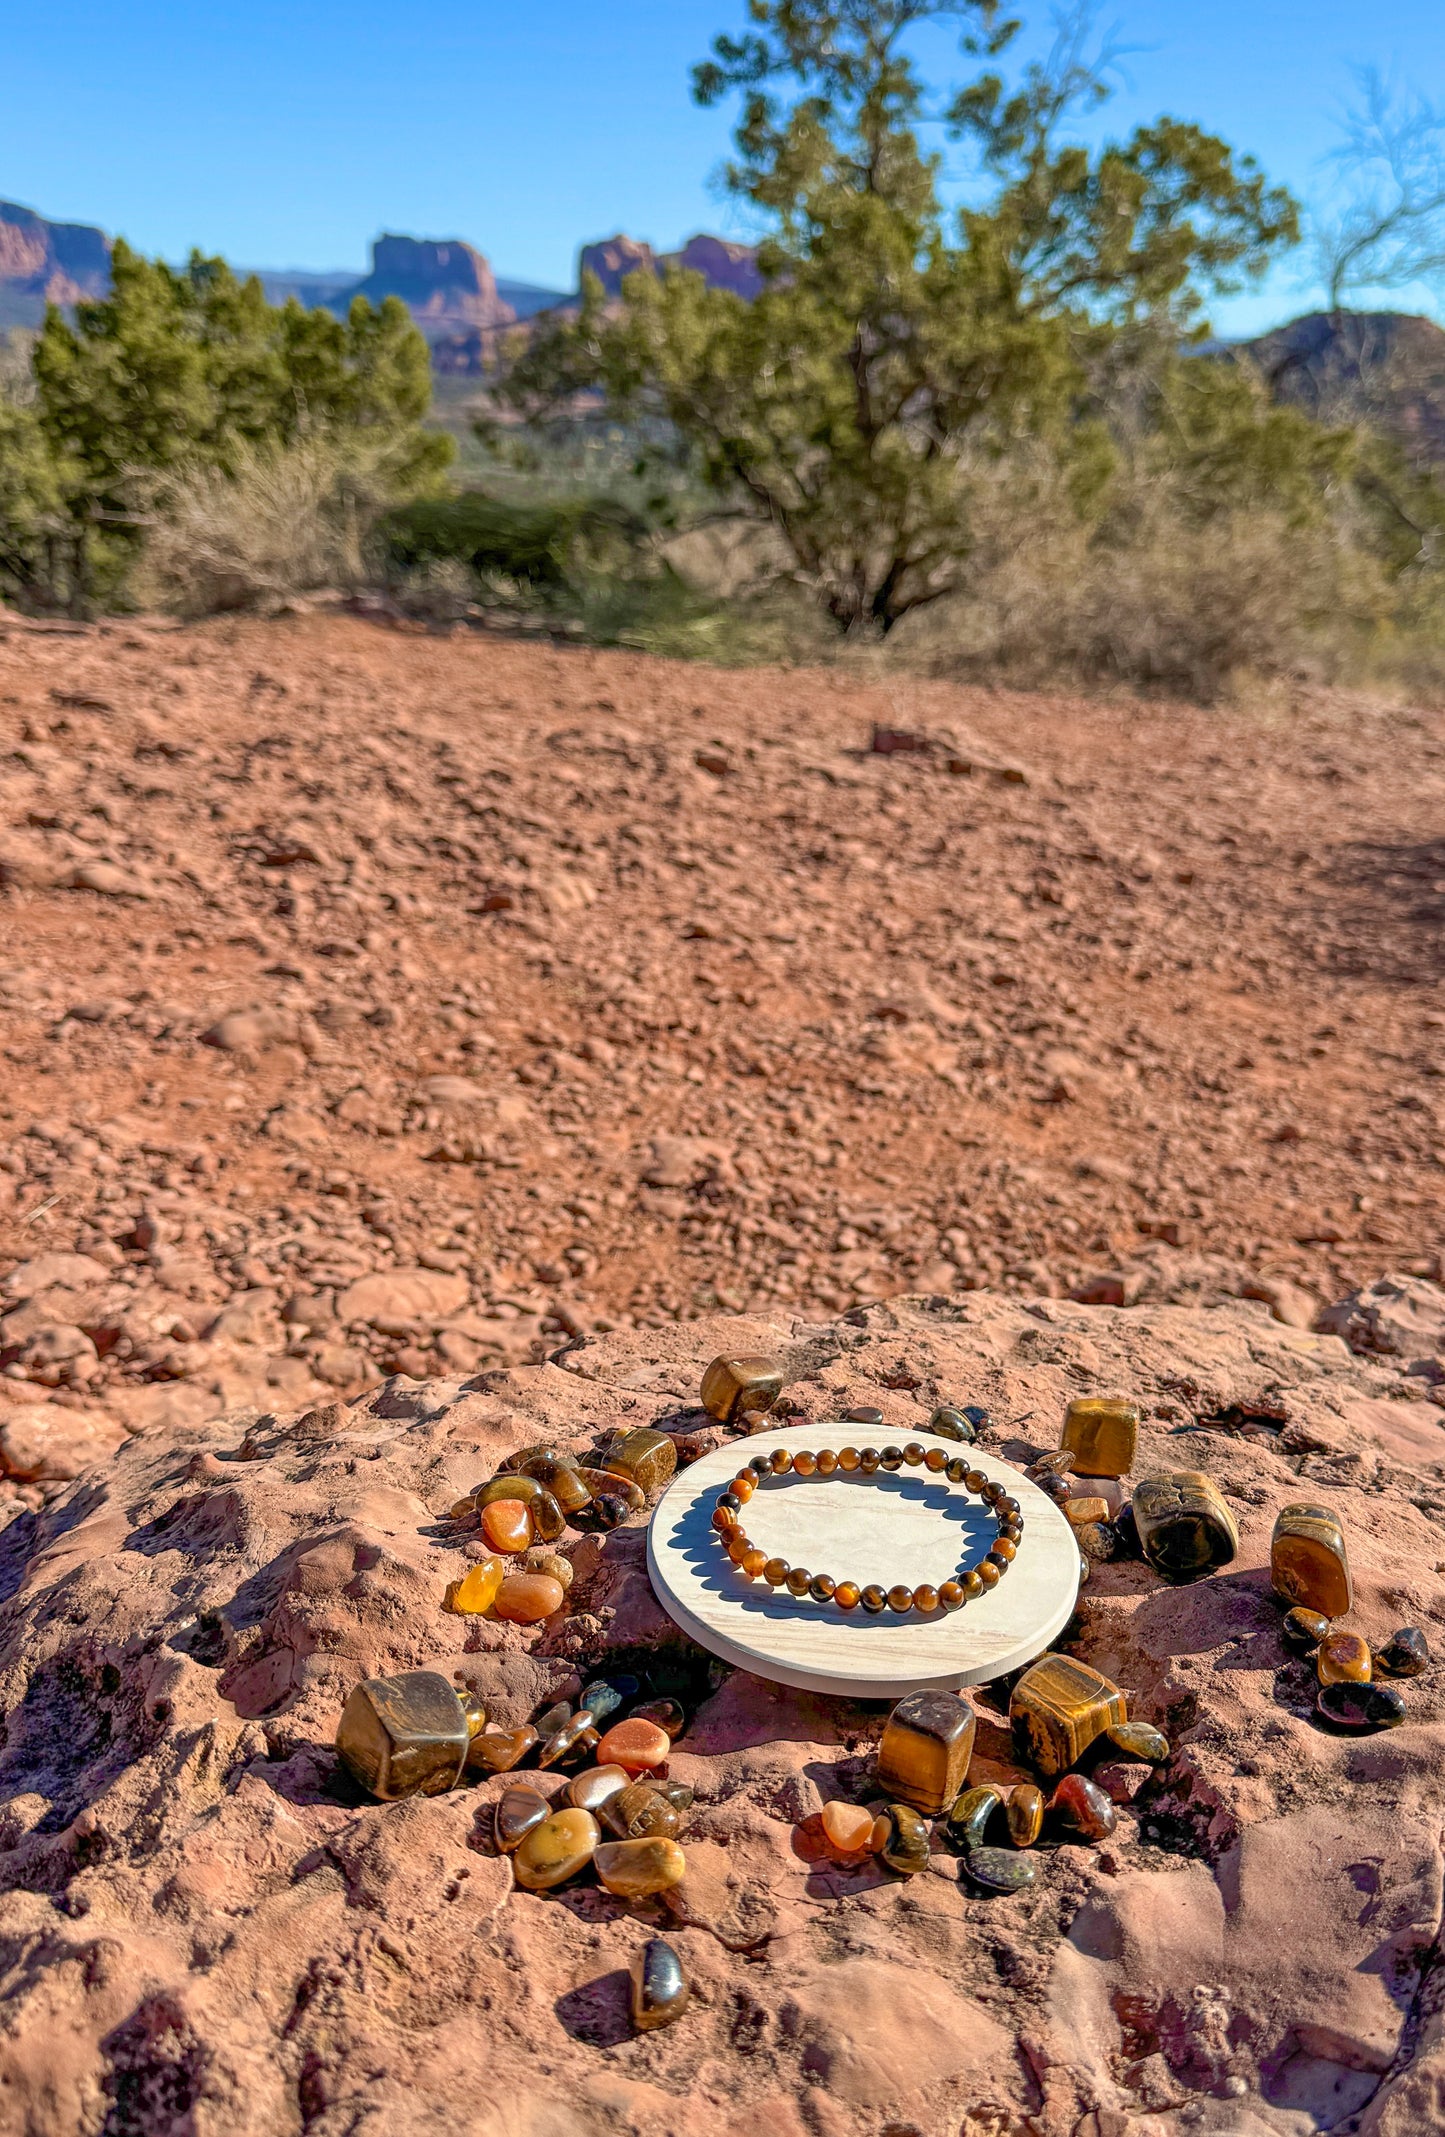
847	1595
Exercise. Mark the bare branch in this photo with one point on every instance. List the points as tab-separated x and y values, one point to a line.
1390	230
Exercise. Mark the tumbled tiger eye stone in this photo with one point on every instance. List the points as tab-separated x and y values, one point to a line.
541	1560
874	1598
905	1847
614	1484
659	1986
1025	1813
1405	1654
546	1517
970	1816
1079	1512
405	1735
564	1843
506	1525
637	1745
519	1812
640	1813
647	1457
1082	1804
1352	1705
527	1598
1344	1657
562	1476
499	1750
635	1869
521	1455
847	1595
576	1737
1184	1526
475	1712
950	1424
1000	1869
863	1413
1057	1709
476	1591
1307	1561
847	1827
927	1742
1101	1436
526	1489
592	1790
1055	1488
1139	1740
732	1385
900	1599
666	1713
1303	1630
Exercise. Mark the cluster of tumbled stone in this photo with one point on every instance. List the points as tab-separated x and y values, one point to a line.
1309	1569
522	1511
1060	1711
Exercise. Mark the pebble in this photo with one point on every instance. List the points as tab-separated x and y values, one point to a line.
638	1812
659	1986
972	1814
594	1789
847	1827
476	1591
1344	1657
1139	1740
636	1869
1405	1654
1025	1813
1084	1807
905	1839
506	1525
1350	1704
1000	1869
519	1812
637	1745
1303	1630
527	1598
555	1850
499	1750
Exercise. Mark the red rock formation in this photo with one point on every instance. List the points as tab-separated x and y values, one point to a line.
47	263
722	264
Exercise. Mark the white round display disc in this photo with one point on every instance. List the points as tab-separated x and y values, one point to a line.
905	1525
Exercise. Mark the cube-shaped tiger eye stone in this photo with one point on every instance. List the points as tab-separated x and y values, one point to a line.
1058	1707
926	1746
1307	1561
731	1386
647	1457
405	1735
1183	1524
659	1986
1101	1436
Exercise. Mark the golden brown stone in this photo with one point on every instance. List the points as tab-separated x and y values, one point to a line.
905	1839
1079	1513
1308	1565
924	1755
1057	1709
576	1734
637	1745
519	1811
499	1750
1101	1435
506	1487
1184	1526
731	1386
405	1735
557	1849
1025	1813
659	1986
640	1813
613	1485
1344	1658
591	1790
562	1477
635	1869
647	1457
476	1591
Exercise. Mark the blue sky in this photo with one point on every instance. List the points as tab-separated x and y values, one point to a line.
288	132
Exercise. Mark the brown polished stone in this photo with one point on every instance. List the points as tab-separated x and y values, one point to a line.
905	1844
564	1843
926	1745
614	1484
636	1869
1139	1740
575	1738
1057	1709
640	1813
1101	1435
1084	1807
970	1816
476	1590
507	1525
1351	1705
1303	1630
1405	1654
405	1735
731	1386
659	1986
1184	1525
562	1476
1344	1657
519	1811
499	1750
1080	1512
594	1789
1025	1813
506	1486
1308	1565
647	1457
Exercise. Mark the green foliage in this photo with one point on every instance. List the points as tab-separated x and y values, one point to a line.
538	544
893	344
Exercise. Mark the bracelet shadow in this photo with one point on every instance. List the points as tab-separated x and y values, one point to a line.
697	1542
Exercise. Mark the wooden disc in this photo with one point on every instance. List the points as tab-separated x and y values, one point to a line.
906	1525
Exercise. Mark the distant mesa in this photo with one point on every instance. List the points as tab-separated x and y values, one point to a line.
47	263
721	264
1385	368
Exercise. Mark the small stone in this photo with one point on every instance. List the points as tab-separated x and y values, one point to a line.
1344	1657
666	1713
635	1869
1079	1512
1184	1526
1025	1813
972	1815
541	1560
600	1699
527	1598
647	1457
731	1386
1352	1705
562	1477
677	1793
1101	1435
517	1460
547	1723
546	1516
1307	1561
606	1510
575	1739
594	1789
1140	1740
476	1591
1057	1709
640	1813
506	1525
1098	1541
405	1735
555	1850
613	1485
863	1413
659	1986
637	1745
523	1489
847	1827
519	1811
1084	1807
905	1843
499	1750
951	1424
1000	1869
1303	1630
1405	1654
927	1743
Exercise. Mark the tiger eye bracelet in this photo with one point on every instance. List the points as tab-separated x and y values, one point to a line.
846	1594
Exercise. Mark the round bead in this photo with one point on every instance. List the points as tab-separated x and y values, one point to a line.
799	1580
957	1470
1004	1549
975	1479
761	1465
723	1521
744	1486
970	1583
1008	1504
827	1462
848	1458
900	1599
892	1458
775	1572
738	1547
804	1463
821	1587
752	1565
731	1501
869	1460
988	1573
874	1598
935	1459
781	1461
951	1595
846	1594
925	1599
913	1454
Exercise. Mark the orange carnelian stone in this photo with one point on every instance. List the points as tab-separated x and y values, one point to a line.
507	1525
848	1827
635	1744
526	1598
